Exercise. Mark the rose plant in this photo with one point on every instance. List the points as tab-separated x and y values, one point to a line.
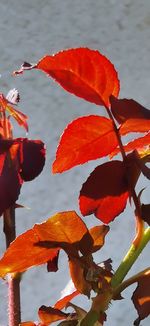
89	75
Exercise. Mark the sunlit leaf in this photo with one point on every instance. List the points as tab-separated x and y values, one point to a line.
139	144
141	298
81	71
105	192
49	315
98	235
23	254
59	231
134	125
61	303
77	272
84	139
5	125
20	117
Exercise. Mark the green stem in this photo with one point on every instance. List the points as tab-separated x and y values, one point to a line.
133	279
129	259
90	319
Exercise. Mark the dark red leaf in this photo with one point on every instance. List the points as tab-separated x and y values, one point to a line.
105	192
49	315
81	71
132	116
125	109
32	158
145	208
10	183
141	298
52	264
84	139
5	144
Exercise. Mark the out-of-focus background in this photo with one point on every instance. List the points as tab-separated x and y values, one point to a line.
28	30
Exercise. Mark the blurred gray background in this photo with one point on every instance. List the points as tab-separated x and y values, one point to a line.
28	30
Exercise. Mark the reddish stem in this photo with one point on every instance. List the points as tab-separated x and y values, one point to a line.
14	314
139	221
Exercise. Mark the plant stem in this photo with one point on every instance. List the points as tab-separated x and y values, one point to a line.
135	278
129	259
14	314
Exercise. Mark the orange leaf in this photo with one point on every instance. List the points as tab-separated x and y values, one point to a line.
23	253
49	315
105	192
137	144
141	298
28	323
81	71
84	139
77	272
20	117
134	125
58	231
98	235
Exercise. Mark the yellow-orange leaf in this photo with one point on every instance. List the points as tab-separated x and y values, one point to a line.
59	231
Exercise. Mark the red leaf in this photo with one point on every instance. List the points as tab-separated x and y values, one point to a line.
32	158
49	315
132	116
137	144
17	115
134	125
84	139
125	109
59	231
61	303
81	71
105	192
141	298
